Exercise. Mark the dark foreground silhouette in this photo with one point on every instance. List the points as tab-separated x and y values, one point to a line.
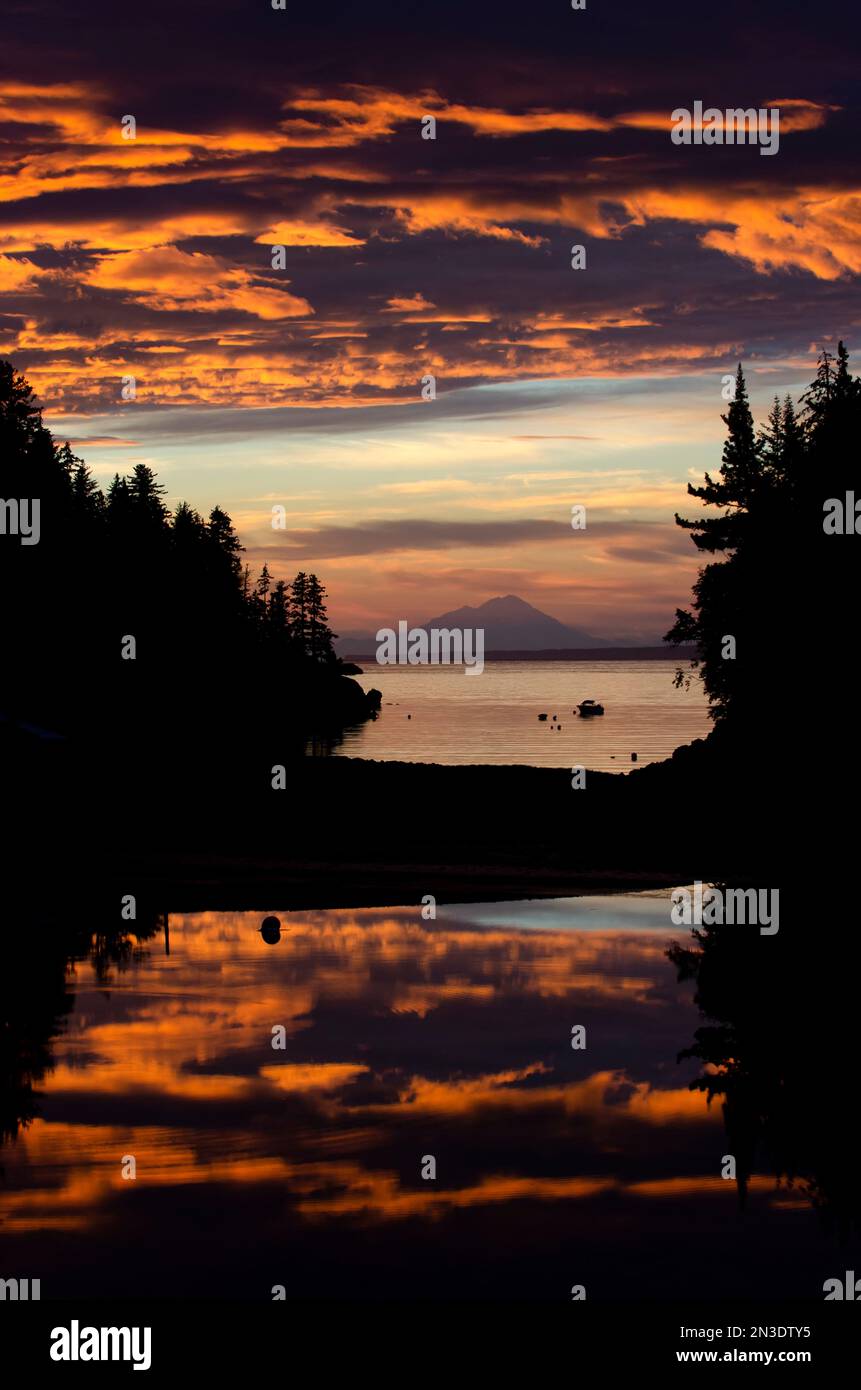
126	625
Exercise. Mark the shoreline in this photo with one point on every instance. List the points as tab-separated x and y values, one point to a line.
199	886
680	654
348	832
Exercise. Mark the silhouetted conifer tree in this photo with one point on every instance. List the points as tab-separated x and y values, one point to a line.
783	591
320	636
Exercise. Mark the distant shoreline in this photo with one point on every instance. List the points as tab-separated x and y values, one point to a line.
571	654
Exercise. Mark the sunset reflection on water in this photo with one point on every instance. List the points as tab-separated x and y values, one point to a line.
403	1038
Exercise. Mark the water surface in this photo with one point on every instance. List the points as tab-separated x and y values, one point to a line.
439	714
405	1039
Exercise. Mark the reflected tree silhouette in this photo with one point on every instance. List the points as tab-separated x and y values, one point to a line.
35	999
34	1003
777	1048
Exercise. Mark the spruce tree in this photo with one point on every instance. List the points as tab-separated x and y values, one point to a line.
320	636
299	612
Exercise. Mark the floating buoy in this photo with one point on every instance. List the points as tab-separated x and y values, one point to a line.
633	757
270	930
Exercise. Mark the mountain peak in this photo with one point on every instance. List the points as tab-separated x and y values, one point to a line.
512	624
509	622
511	603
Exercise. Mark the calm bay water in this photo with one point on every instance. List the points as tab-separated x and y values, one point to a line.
493	718
404	1039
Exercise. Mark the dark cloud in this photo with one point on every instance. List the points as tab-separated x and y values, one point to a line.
387	537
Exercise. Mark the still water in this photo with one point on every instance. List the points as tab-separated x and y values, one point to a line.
439	714
404	1040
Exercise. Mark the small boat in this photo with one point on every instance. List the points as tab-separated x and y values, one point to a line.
589	707
542	717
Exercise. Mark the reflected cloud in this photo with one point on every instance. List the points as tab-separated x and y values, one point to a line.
401	1038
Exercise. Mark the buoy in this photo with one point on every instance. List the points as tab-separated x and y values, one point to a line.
633	757
270	930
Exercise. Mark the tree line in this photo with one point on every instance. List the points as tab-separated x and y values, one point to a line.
210	642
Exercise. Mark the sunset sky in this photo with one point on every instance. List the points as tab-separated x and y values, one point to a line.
407	257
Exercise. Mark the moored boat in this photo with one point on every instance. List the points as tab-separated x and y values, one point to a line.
589	707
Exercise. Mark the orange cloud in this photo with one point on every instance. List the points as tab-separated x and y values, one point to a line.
121	234
405	305
374	113
795	114
318	1076
300	233
812	229
167	278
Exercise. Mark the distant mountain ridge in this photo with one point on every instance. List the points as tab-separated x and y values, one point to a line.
509	622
